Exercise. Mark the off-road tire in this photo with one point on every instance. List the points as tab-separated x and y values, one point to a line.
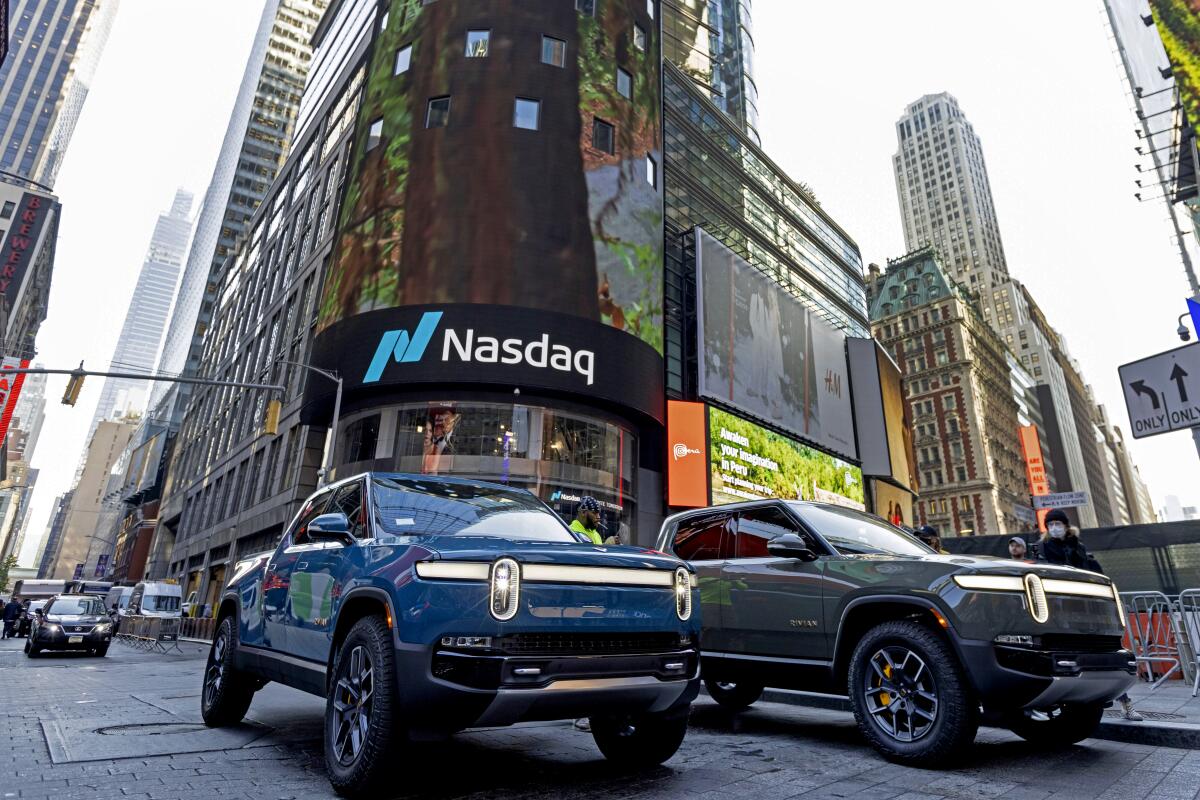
372	765
225	692
643	741
733	696
1067	725
957	718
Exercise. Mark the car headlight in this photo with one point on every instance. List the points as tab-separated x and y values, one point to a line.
683	593
1120	606
504	588
103	627
52	627
1035	592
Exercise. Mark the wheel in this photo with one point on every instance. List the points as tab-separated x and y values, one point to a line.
361	717
226	694
31	649
910	696
101	651
643	741
733	696
1059	727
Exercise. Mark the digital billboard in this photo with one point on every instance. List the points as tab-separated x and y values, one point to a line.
749	462
507	154
765	353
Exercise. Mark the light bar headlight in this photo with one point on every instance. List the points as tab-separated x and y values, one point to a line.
504	588
994	583
683	593
1120	606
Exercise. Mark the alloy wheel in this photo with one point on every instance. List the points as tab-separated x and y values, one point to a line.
901	694
352	705
215	672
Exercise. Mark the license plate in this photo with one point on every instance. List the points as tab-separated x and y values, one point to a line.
74	639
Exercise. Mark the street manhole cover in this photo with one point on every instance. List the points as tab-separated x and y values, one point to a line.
151	729
1160	716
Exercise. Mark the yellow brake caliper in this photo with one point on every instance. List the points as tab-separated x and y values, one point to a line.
884	697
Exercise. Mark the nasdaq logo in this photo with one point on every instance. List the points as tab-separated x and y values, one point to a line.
402	347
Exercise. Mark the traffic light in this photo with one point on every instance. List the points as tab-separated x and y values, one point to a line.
271	423
74	387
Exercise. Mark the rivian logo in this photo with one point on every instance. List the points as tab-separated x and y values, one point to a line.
469	346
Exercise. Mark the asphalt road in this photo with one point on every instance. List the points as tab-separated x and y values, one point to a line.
127	726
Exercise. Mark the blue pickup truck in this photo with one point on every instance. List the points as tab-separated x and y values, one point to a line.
422	605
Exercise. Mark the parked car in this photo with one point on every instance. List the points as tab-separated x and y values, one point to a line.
422	605
70	622
817	597
118	596
25	624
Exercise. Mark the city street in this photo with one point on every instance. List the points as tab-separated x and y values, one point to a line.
129	725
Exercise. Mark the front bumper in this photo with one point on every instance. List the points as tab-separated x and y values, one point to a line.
71	639
1008	677
445	690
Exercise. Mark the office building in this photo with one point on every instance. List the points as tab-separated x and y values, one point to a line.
16	489
48	548
55	48
958	384
79	551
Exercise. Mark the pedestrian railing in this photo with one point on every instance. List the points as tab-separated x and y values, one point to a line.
1189	614
149	633
201	628
1154	635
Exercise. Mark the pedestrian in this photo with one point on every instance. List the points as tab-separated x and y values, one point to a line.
12	613
1061	545
929	535
587	520
1017	549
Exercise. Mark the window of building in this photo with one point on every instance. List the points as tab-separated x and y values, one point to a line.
650	8
624	83
586	7
477	44
949	402
603	136
403	60
961	473
554	51
383	21
526	113
375	134
639	37
7	212
438	113
652	171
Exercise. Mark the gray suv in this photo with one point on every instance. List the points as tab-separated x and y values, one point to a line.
816	597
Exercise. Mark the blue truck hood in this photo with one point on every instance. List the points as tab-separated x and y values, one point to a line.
489	548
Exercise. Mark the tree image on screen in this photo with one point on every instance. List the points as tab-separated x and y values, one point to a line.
521	171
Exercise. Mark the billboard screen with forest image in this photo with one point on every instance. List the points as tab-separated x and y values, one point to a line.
749	462
507	153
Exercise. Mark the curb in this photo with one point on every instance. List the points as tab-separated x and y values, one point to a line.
1157	734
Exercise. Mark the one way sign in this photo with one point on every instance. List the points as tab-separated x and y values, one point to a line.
1162	392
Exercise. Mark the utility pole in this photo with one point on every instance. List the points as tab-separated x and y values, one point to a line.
331	436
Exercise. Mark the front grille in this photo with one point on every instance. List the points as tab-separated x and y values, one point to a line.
77	628
586	644
1080	642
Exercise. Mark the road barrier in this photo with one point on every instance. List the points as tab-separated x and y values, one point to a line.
1156	635
199	628
150	633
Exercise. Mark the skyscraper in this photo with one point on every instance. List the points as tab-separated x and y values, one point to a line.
137	346
55	48
256	144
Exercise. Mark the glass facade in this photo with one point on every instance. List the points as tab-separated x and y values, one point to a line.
558	455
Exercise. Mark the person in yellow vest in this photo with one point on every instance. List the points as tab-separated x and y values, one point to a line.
587	520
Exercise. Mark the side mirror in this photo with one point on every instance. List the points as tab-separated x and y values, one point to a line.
791	545
330	528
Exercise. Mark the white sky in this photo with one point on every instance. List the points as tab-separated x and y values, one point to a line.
1037	80
1041	86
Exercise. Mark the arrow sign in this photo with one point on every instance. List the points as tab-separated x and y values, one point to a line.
1140	388
1177	375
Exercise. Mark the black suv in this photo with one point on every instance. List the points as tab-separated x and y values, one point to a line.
821	598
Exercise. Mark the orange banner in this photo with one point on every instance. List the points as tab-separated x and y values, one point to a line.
687	455
1035	467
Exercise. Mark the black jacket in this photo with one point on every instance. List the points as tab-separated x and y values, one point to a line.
12	611
1069	552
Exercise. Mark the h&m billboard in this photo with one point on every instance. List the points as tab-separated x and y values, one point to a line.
764	353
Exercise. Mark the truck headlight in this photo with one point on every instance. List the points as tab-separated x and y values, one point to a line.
1120	606
683	593
1039	608
505	588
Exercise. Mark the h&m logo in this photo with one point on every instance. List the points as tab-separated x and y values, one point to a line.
403	348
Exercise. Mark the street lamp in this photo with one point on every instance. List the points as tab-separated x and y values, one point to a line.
327	460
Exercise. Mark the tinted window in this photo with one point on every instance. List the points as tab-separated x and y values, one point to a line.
850	532
757	527
703	539
76	606
160	603
406	506
349	501
313	508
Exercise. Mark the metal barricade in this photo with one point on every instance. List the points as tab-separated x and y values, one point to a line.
150	633
1154	635
1189	616
199	628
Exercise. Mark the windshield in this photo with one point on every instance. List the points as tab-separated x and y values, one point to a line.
851	532
35	605
73	606
429	506
160	603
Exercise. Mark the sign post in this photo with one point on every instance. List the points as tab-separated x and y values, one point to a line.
1060	500
1162	392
